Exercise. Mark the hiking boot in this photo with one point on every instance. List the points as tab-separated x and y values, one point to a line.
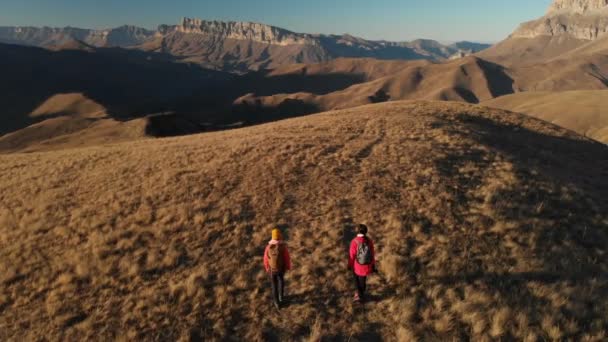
357	298
277	306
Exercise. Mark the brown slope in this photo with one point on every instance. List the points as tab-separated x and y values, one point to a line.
485	221
591	48
233	54
128	83
576	72
72	44
467	80
73	120
581	111
371	69
67	121
70	105
71	132
521	51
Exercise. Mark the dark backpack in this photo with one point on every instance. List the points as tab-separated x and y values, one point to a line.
364	253
275	258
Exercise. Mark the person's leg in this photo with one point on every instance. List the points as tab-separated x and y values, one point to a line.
360	286
281	286
363	282
275	289
357	286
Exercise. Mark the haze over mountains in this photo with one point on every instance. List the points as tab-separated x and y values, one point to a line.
238	46
49	37
174	84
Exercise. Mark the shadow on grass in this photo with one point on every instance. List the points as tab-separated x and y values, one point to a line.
555	204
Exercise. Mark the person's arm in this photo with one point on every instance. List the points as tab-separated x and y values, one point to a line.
266	265
351	254
287	260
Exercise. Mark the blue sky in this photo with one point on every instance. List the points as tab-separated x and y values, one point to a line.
444	20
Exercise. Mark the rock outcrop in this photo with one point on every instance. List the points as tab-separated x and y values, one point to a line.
581	19
577	6
255	32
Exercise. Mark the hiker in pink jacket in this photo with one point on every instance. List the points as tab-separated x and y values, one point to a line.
276	263
361	260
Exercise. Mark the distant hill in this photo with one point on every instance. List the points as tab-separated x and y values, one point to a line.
127	83
122	36
581	111
70	120
238	46
468	80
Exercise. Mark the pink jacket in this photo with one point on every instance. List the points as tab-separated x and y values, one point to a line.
361	270
286	258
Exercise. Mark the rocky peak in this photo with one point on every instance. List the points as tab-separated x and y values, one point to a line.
580	19
577	6
242	31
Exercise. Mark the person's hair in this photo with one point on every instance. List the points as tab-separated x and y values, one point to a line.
362	229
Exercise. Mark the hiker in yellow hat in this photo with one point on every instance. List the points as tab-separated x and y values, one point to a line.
276	263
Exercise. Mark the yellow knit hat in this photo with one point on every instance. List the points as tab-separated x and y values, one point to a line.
276	234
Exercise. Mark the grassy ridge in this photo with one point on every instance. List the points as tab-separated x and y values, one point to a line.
488	224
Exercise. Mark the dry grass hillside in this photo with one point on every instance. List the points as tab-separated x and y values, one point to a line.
552	63
468	79
126	83
370	69
580	72
347	83
488	225
518	52
581	111
594	47
71	120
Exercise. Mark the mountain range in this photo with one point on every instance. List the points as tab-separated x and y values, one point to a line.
238	46
202	75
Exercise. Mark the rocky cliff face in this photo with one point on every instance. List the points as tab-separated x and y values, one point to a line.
41	36
581	19
125	36
46	36
577	6
254	32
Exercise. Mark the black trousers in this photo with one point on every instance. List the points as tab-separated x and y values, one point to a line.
277	281
361	283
